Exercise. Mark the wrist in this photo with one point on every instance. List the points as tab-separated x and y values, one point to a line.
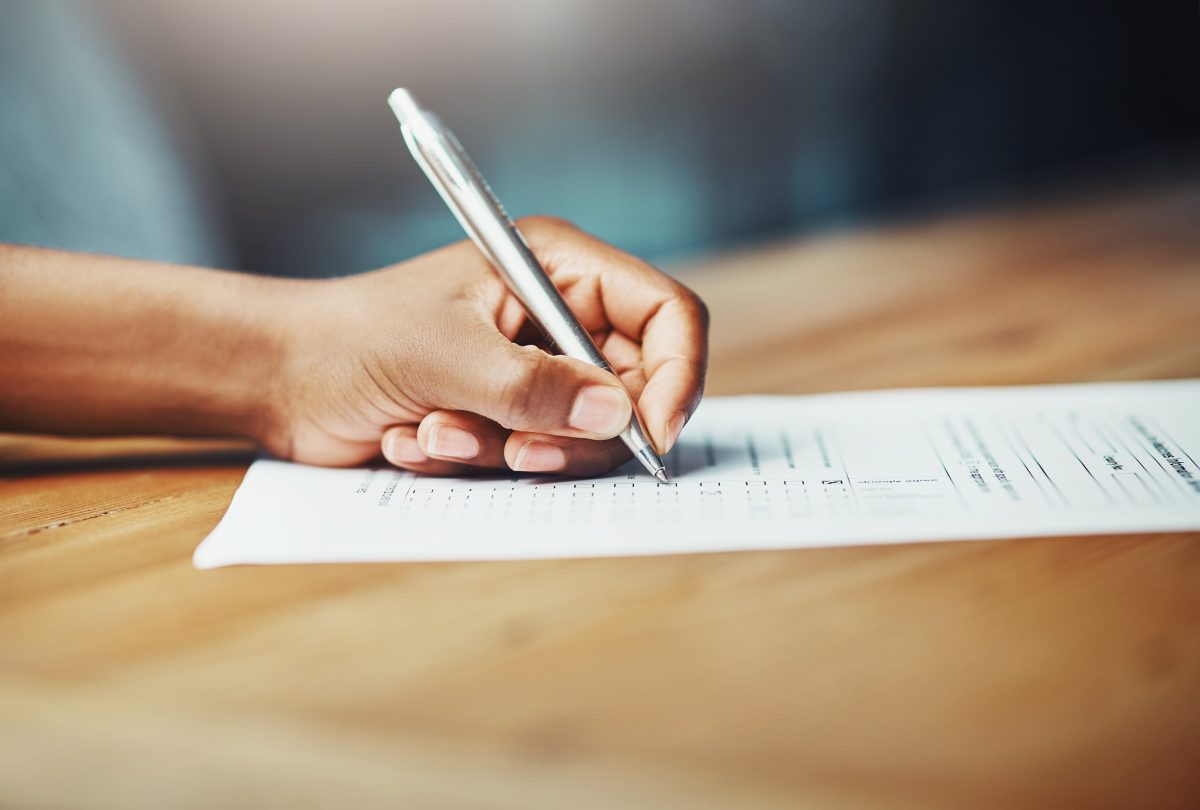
220	366
278	330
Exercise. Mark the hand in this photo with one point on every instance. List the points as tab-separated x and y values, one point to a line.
419	361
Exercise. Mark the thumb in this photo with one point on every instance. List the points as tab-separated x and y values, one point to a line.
523	388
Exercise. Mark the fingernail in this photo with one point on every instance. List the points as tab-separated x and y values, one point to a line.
674	428
540	457
403	449
600	409
451	442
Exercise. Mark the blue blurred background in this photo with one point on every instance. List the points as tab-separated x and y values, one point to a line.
256	135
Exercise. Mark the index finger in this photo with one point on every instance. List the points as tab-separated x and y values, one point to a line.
607	288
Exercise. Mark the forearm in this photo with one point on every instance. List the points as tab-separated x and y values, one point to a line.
101	345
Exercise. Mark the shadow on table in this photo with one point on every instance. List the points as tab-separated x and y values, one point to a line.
43	455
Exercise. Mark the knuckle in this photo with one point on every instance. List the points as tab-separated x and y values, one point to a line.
519	392
544	223
694	304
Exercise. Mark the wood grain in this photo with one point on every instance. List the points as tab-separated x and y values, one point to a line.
986	674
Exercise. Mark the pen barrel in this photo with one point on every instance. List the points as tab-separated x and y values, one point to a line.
475	206
505	247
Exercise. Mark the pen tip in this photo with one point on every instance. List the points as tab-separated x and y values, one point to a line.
661	475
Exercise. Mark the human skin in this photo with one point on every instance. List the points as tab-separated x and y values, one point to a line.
427	363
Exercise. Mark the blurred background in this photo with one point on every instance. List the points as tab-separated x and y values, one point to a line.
256	134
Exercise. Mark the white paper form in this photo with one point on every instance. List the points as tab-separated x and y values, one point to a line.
770	472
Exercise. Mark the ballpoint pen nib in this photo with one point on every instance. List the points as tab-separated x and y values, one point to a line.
661	475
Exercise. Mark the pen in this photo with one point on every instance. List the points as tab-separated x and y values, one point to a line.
470	199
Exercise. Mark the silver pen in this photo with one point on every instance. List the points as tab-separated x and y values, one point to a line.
472	202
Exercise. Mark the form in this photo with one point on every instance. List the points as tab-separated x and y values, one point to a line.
769	473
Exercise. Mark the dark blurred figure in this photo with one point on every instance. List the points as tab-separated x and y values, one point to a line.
668	127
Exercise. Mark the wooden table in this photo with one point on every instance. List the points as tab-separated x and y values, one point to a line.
1048	671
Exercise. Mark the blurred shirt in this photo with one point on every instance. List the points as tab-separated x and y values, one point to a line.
85	164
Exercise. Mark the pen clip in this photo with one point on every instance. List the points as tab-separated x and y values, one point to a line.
436	160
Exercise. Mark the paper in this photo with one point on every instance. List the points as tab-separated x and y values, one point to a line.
766	473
